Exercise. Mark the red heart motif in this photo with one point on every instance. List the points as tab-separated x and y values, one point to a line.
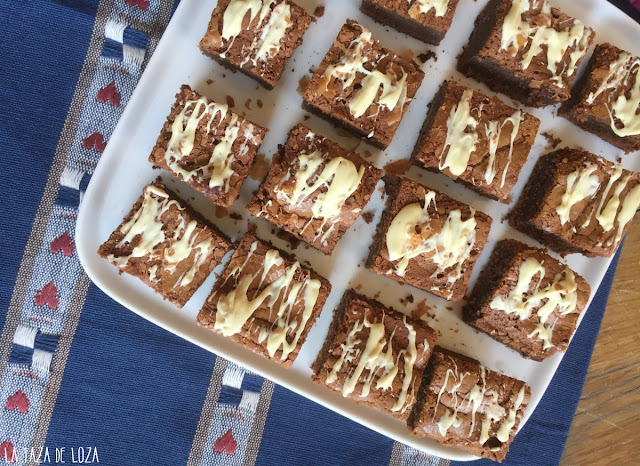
95	140
142	4
63	243
6	451
110	94
226	444
47	295
18	400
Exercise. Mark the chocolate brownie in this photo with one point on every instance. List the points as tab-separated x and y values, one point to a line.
462	404
476	140
606	99
374	355
255	37
362	86
315	189
577	202
166	245
527	50
207	145
265	301
427	239
527	300
426	20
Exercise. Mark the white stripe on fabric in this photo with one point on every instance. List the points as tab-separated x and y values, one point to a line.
71	177
25	335
233	376
249	401
114	30
133	55
41	361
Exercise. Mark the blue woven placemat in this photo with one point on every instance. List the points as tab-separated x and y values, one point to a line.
83	378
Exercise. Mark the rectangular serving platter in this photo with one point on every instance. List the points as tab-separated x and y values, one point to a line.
124	170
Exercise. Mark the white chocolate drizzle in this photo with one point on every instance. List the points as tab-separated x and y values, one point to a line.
411	235
420	7
147	225
462	138
377	360
526	296
183	133
478	400
337	181
235	13
460	142
543	38
235	308
394	88
581	184
625	110
274	31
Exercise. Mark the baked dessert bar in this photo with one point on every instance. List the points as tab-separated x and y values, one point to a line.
362	86
255	37
462	404
527	300
527	50
207	145
476	140
265	301
426	20
577	202
315	189
374	355
166	245
606	99
427	239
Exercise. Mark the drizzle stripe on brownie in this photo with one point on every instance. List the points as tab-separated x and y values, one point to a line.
183	133
235	308
411	235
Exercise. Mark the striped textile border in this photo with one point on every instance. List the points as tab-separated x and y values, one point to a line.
51	287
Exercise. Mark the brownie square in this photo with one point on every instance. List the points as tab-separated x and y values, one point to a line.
527	50
315	189
462	404
606	99
476	140
577	202
427	239
167	245
207	145
265	301
255	37
374	355
426	20
362	86
527	300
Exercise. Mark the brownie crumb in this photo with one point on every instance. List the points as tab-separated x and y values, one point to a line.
235	216
367	217
377	295
399	167
230	102
358	287
407	54
247	104
209	82
306	117
449	308
289	238
221	212
319	11
406	300
552	140
619	159
421	309
260	168
367	154
260	103
302	84
428	55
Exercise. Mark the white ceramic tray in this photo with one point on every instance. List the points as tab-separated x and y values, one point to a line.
124	170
